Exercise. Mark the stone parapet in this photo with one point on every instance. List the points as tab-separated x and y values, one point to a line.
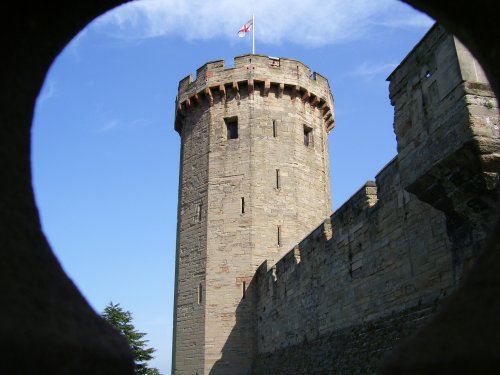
448	135
251	74
383	257
254	180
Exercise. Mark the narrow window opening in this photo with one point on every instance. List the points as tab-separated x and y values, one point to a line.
242	205
232	127
279	236
278	179
275	129
307	136
244	289
198	212
200	294
274	62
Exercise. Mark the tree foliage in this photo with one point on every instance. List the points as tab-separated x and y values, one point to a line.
122	321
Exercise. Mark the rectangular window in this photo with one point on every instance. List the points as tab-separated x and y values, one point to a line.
231	127
200	294
275	129
355	261
307	136
274	62
244	289
279	236
278	179
198	212
242	205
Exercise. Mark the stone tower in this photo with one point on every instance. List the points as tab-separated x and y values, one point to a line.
254	180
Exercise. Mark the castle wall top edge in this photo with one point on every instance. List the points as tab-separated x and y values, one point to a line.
255	67
436	30
386	166
354	207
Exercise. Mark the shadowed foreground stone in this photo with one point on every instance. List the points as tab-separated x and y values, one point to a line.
47	327
464	337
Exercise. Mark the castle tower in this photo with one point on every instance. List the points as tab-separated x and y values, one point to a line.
254	180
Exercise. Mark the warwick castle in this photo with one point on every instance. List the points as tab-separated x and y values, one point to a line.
268	281
403	279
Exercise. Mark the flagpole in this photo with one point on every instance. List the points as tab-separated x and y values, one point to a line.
253	34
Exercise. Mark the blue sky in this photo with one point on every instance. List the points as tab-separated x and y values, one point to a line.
105	155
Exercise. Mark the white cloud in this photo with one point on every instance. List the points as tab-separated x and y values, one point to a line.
368	71
407	18
312	22
73	47
115	124
47	92
112	124
140	123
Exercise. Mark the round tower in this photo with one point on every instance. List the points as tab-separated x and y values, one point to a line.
254	180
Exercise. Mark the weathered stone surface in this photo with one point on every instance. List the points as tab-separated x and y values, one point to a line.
447	127
244	200
346	301
358	349
464	336
40	32
374	272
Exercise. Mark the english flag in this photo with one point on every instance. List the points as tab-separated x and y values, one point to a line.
245	29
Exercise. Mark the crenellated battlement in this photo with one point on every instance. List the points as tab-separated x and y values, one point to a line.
254	175
374	255
292	260
254	74
254	180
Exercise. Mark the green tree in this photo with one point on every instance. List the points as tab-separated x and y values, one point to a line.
122	321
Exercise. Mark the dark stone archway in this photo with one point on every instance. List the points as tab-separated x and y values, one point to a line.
46	326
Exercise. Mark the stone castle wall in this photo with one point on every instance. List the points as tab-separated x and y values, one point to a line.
374	271
192	242
361	281
243	199
448	137
370	276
